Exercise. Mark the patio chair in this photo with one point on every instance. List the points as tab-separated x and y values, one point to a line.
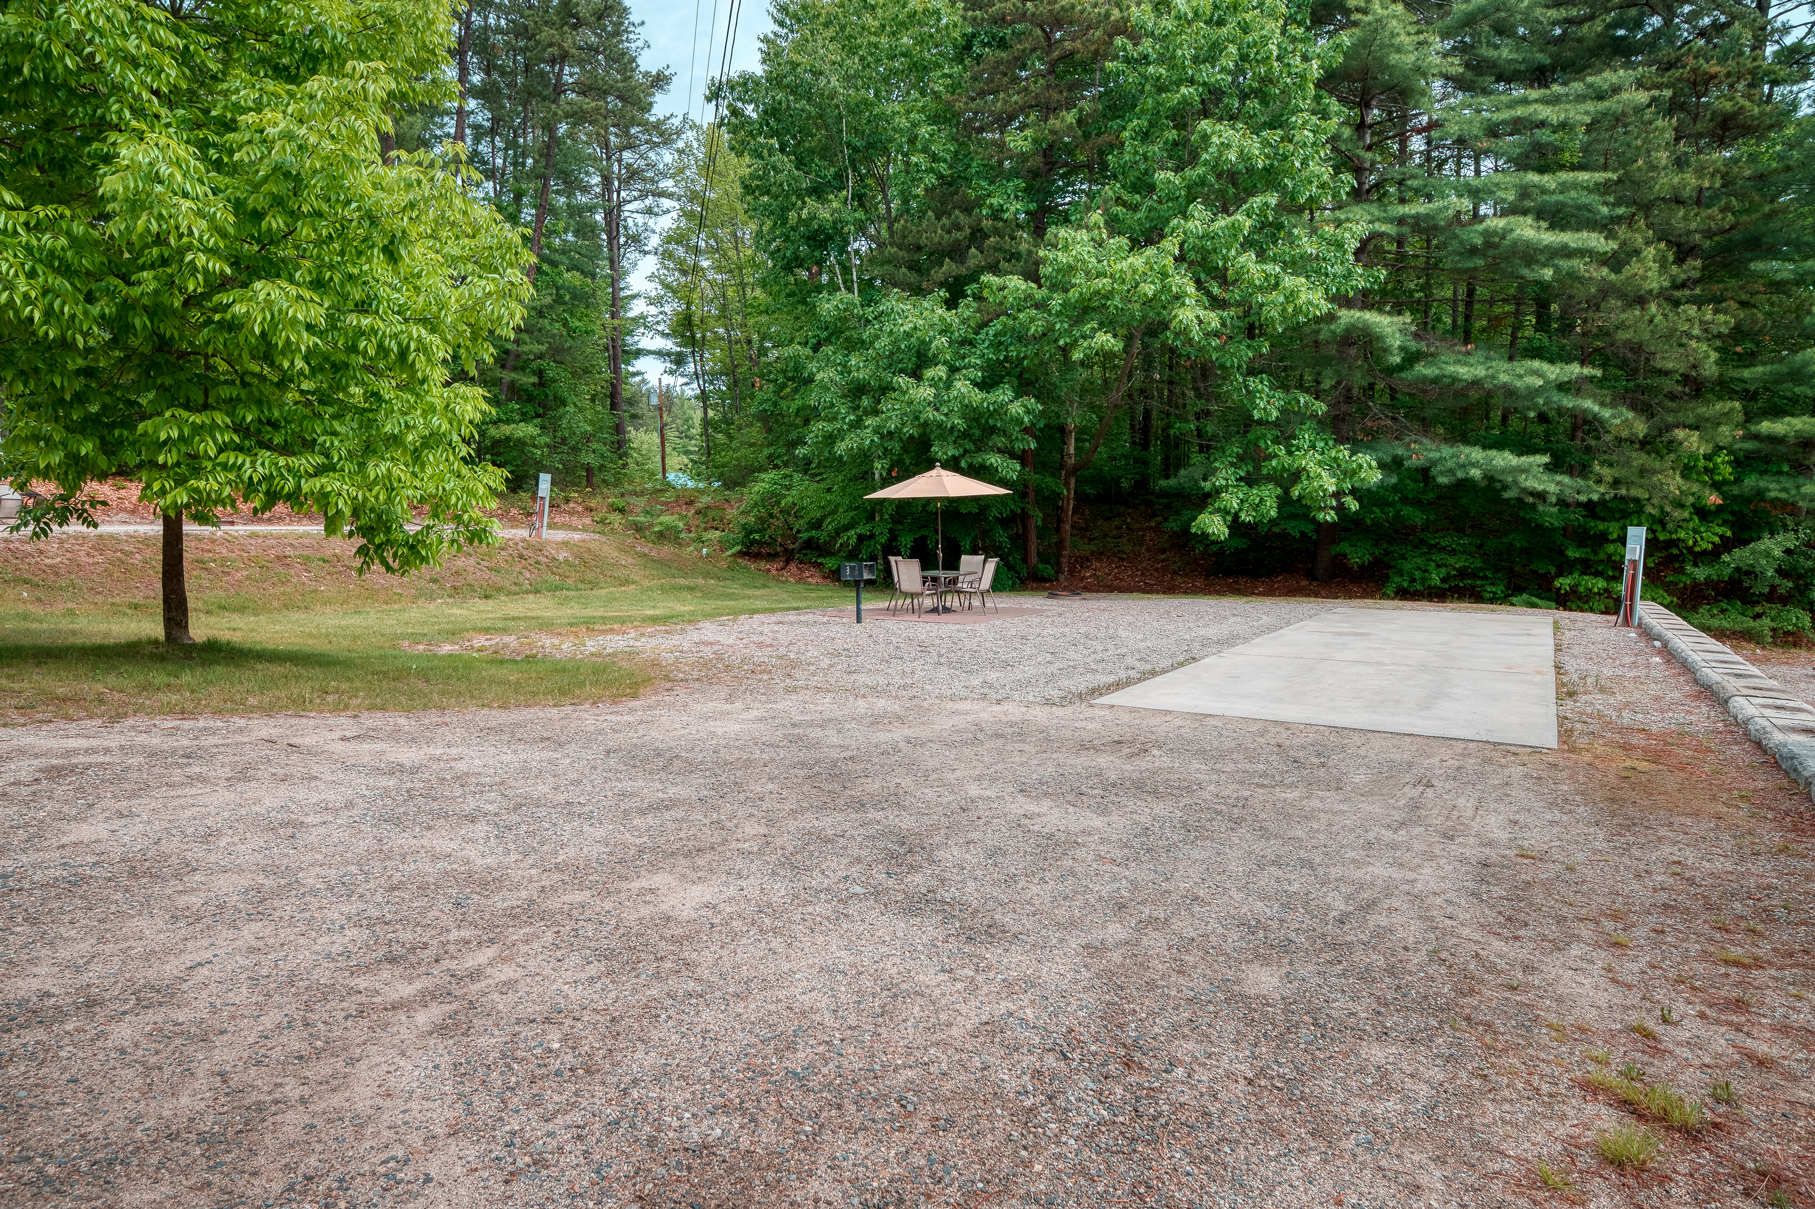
980	588
970	568
894	581
912	585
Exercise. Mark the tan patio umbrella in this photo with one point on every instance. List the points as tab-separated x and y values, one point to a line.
941	485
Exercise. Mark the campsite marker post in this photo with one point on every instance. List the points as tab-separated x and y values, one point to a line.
540	528
857	573
1632	582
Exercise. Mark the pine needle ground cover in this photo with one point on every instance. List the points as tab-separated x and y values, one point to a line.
286	624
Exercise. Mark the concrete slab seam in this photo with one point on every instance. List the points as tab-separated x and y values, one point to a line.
1773	716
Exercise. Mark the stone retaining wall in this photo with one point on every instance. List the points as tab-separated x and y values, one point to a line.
1779	721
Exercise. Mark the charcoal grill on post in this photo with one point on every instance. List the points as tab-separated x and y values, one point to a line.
856	573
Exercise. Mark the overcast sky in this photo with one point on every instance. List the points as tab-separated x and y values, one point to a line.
671	30
690	43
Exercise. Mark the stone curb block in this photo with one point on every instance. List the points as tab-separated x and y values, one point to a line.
1775	718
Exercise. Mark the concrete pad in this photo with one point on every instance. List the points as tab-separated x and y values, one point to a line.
1485	676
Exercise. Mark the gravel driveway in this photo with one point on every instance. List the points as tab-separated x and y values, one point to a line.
767	940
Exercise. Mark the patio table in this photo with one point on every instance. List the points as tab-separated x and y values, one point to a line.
944	580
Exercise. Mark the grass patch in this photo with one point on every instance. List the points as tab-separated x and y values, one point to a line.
1727	957
1722	1092
287	626
1627	1146
1657	1101
121	679
1555	1179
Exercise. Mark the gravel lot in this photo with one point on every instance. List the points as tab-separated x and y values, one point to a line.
772	937
1062	652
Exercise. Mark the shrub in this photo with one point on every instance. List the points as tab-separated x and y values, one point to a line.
781	512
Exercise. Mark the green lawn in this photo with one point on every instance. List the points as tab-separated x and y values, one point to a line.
285	625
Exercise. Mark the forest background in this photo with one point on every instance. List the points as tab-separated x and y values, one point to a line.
1441	296
1438	297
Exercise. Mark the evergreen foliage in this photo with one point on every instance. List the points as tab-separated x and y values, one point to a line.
1445	295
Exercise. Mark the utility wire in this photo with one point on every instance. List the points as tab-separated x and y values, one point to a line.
694	57
711	33
713	137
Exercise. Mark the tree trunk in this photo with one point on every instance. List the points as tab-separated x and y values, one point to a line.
535	236
463	59
1030	515
176	591
1323	562
1068	475
1468	315
548	172
1072	466
696	353
737	400
1342	420
612	186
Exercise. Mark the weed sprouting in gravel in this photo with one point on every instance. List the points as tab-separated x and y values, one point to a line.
1632	1070
1745	999
1640	1029
1658	1101
1667	1015
1727	957
1555	1178
1722	1092
1674	1109
1620	938
1600	1057
1627	1146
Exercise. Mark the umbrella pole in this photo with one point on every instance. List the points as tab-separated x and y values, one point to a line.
939	510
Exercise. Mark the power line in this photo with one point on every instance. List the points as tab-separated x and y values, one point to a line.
713	137
693	57
711	33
